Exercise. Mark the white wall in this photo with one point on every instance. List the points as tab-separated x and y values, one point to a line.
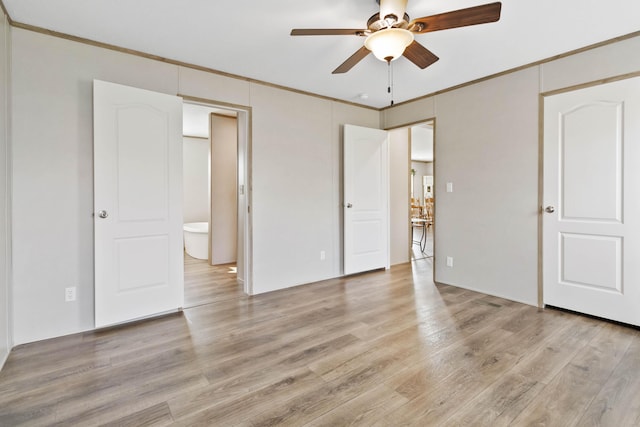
422	169
224	189
5	253
292	210
409	113
615	59
52	172
243	194
296	174
422	143
487	146
195	161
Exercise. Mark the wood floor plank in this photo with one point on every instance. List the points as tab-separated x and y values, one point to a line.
207	409
225	387
499	404
385	348
363	410
96	400
306	407
547	360
618	404
564	400
479	365
155	416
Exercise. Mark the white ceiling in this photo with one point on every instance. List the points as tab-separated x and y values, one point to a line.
422	143
250	38
195	119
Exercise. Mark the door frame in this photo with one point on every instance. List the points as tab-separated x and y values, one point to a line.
408	126
244	118
541	98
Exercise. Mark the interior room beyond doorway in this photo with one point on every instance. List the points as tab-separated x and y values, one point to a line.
210	203
422	191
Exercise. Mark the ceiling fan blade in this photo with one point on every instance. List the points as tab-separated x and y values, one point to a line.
327	32
420	55
353	60
458	18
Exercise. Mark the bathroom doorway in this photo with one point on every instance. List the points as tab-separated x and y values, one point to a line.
215	172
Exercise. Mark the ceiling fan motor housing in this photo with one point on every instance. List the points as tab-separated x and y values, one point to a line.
392	10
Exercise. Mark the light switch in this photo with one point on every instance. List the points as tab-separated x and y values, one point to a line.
449	187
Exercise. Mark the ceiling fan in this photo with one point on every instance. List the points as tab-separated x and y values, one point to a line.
390	33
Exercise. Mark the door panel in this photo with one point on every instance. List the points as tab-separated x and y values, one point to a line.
366	199
591	261
591	243
142	191
591	155
139	273
138	184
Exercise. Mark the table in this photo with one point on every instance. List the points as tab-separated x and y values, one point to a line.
420	222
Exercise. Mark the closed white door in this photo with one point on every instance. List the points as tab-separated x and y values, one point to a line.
138	203
591	212
366	199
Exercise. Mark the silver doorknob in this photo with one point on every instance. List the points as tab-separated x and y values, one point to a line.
550	209
103	214
349	205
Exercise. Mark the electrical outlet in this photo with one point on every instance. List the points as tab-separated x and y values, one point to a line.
70	294
323	255
449	261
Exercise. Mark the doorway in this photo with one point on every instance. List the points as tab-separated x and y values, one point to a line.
138	221
421	137
412	166
215	183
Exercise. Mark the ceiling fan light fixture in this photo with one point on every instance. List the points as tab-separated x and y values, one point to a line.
389	44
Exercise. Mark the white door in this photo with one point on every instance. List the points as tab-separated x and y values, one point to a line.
138	203
366	199
591	240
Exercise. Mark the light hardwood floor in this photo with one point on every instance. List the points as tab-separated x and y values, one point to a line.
206	284
386	348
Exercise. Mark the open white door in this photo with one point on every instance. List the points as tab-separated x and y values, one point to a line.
366	199
138	203
591	222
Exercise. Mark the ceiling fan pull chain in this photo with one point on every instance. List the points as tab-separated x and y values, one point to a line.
390	80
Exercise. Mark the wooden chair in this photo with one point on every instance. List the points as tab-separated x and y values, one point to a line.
428	211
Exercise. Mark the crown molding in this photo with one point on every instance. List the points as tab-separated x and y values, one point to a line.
520	68
4	10
94	43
